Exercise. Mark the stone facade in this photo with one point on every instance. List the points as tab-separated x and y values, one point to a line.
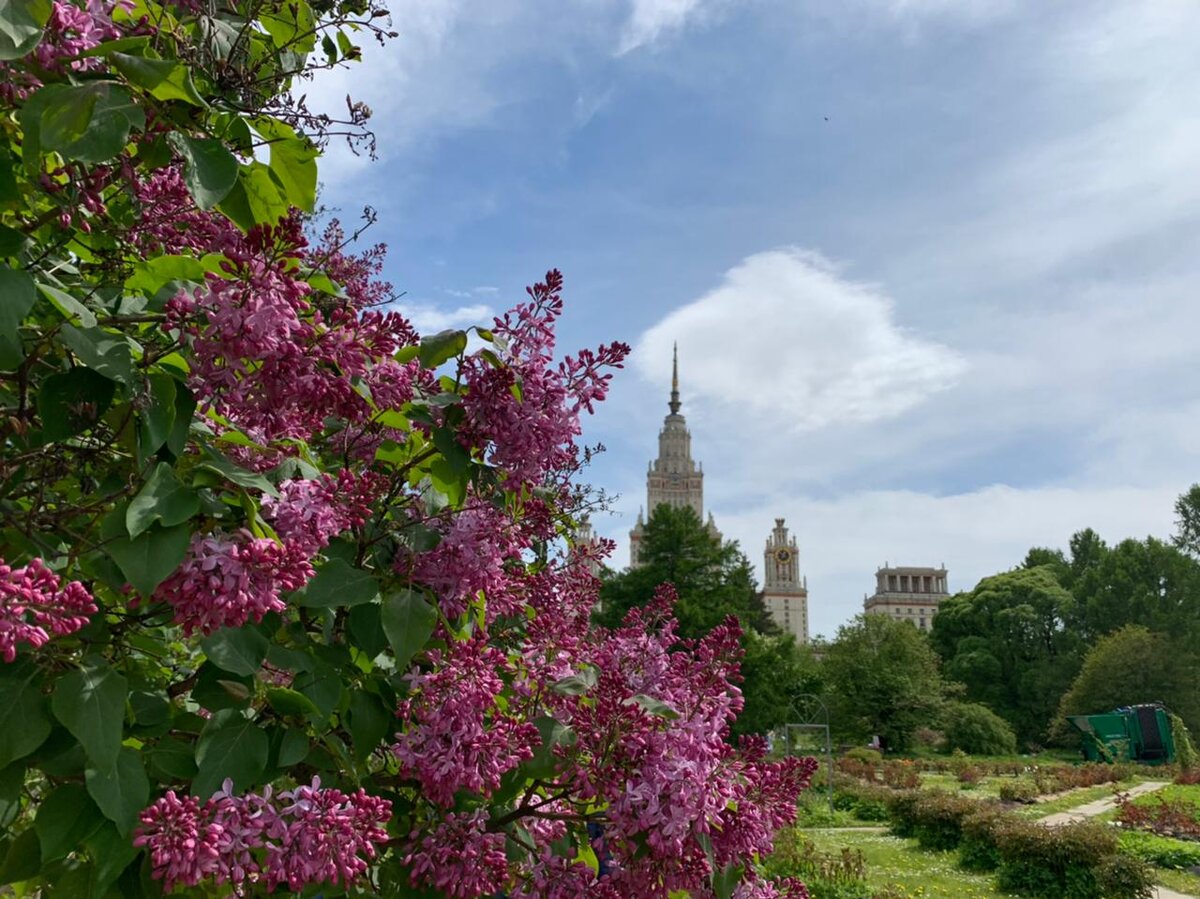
908	594
674	478
785	592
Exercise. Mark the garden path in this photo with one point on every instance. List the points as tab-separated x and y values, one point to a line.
1099	807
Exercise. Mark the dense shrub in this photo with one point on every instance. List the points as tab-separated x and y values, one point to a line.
863	754
1162	852
938	819
1019	790
977	846
866	802
976	729
1077	861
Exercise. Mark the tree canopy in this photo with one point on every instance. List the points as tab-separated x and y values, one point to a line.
1009	643
883	680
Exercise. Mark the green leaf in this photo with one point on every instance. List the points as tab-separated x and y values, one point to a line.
339	585
291	26
65	819
408	621
370	721
111	851
72	402
652	705
238	751
70	308
544	762
235	474
21	24
321	685
240	650
210	172
17	296
101	351
156	421
726	880
150	557
290	702
442	346
294	165
163	499
24	724
90	702
575	684
293	748
173	759
24	858
91	122
217	690
185	407
121	790
149	275
366	629
450	482
255	199
165	79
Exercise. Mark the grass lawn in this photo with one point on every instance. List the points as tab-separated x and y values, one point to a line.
1180	881
891	860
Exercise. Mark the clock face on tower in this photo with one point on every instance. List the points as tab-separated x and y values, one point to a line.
783	555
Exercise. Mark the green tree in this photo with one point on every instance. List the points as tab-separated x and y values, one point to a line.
776	671
713	578
882	679
1130	666
1008	642
1187	521
976	729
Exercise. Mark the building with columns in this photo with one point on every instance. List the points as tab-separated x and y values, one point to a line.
674	478
785	592
908	594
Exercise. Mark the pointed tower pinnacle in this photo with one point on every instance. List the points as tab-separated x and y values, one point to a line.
674	404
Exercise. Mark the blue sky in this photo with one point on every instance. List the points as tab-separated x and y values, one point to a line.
931	264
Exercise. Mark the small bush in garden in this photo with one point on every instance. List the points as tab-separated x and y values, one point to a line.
970	776
863	754
938	818
1164	815
977	846
976	729
1020	790
901	775
902	810
1124	877
866	802
1162	852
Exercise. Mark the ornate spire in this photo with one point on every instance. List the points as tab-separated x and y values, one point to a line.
674	404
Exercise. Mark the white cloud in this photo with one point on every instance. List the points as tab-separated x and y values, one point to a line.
429	319
651	19
786	335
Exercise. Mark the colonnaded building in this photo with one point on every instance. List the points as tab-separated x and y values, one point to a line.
676	479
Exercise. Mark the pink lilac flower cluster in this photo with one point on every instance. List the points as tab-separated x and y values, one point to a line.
229	579
459	856
478	554
271	355
303	836
34	604
455	735
70	31
309	513
527	412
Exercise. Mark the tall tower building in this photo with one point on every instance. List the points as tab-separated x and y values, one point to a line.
673	479
785	592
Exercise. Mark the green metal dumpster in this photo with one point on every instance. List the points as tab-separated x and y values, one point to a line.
1136	733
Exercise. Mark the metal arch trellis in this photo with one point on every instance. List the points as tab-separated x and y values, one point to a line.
811	719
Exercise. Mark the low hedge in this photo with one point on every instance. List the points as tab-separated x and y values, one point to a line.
1077	861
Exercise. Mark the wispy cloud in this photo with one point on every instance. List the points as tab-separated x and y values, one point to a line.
429	319
785	334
